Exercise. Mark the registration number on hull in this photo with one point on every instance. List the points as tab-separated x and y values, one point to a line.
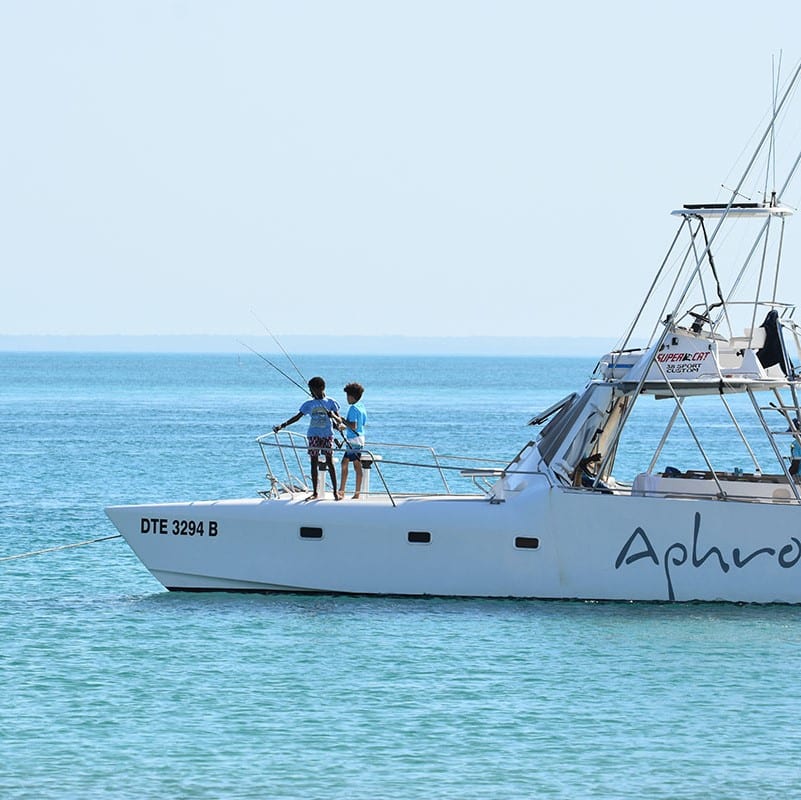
178	527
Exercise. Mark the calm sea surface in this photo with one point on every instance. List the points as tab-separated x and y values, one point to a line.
113	687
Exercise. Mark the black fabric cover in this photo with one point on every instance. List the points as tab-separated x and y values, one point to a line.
772	352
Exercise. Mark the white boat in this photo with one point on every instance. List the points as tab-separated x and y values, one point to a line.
558	520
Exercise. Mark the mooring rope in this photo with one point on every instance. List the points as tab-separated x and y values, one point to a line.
60	547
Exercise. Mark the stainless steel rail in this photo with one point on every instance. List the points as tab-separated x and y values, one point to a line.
284	455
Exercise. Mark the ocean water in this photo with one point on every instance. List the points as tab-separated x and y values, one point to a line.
113	687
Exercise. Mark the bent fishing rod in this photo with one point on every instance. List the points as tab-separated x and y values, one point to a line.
275	367
283	349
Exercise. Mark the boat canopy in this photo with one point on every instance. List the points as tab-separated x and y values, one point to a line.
551	410
581	429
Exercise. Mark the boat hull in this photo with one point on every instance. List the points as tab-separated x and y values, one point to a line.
549	543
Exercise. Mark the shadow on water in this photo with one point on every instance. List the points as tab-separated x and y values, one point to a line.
339	605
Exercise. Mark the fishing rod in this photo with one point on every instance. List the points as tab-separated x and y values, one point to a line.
291	361
283	350
275	367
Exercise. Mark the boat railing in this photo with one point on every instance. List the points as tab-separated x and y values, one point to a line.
751	335
287	462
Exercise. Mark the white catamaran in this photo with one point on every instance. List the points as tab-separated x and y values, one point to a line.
559	521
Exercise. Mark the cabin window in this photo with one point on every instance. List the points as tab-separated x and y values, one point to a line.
419	537
527	542
311	533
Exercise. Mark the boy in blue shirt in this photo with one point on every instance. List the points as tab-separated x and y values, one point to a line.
321	431
353	424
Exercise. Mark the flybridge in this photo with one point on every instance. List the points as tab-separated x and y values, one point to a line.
733	209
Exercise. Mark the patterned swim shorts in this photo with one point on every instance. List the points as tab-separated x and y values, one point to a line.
318	444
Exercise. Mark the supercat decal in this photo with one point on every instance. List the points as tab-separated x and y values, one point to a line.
682	363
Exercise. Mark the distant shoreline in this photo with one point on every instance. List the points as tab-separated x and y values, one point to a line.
318	345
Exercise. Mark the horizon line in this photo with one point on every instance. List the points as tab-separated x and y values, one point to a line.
311	344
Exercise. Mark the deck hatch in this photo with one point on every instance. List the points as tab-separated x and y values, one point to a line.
311	533
419	537
527	542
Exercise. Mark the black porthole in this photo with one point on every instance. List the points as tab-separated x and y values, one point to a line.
419	537
527	542
311	533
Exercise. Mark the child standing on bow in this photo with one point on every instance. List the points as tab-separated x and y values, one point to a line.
321	431
353	424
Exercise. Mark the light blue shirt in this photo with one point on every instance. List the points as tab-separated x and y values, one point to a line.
320	423
358	415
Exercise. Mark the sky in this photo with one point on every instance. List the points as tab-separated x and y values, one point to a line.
174	167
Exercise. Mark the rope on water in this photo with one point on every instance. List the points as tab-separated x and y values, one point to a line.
60	547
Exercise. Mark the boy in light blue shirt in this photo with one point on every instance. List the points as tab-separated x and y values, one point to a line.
353	424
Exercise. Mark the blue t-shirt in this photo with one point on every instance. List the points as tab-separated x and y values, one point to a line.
320	423
357	414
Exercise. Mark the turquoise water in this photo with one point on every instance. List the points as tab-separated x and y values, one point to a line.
113	687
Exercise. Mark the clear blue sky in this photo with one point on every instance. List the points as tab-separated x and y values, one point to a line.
420	168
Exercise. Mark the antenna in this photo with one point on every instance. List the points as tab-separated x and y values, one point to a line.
770	172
